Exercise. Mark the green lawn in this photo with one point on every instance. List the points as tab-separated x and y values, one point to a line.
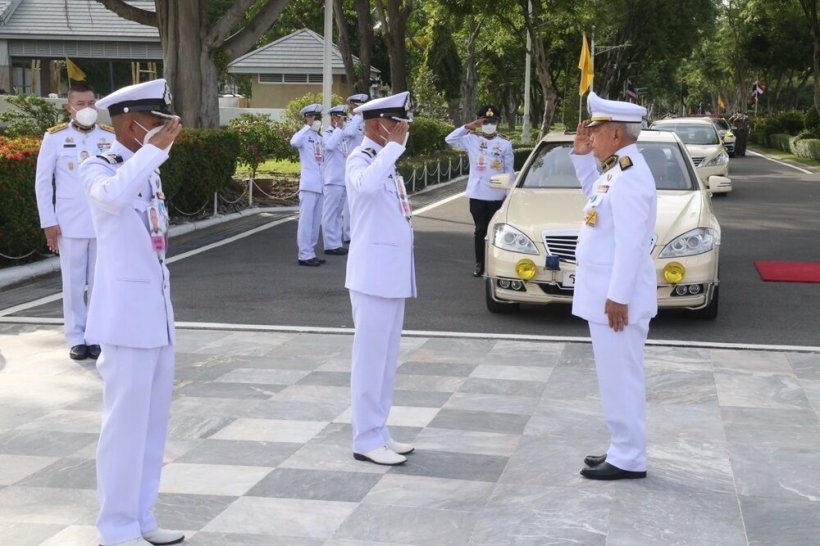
269	168
779	154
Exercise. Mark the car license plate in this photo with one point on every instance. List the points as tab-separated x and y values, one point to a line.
568	279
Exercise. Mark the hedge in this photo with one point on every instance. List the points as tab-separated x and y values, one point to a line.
202	162
427	137
20	232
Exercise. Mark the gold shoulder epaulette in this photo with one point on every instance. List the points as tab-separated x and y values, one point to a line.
609	162
57	128
625	162
106	127
502	135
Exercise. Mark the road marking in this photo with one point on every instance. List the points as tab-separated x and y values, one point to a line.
180	325
773	160
438	203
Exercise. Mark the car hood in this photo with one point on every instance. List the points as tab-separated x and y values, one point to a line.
536	210
708	150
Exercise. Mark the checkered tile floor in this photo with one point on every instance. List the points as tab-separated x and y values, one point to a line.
259	446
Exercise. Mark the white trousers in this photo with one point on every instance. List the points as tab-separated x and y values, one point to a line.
77	258
619	363
137	388
346	221
378	322
335	199
310	218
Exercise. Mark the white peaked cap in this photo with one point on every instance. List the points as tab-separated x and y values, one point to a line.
604	110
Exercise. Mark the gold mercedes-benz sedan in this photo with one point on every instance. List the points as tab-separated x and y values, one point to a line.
531	239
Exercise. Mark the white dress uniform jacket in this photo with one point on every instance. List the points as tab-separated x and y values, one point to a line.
337	146
311	158
64	147
614	255
131	303
488	157
380	262
354	130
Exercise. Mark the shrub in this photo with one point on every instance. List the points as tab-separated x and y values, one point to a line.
202	162
261	139
427	137
807	148
520	156
447	159
779	141
20	232
31	116
293	120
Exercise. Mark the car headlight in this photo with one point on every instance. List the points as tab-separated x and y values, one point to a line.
729	134
721	159
696	241
508	238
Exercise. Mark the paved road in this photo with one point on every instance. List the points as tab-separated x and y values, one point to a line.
771	214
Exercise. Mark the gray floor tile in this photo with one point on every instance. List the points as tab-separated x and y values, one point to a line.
433	493
189	512
467	441
483	421
418	526
66	473
779	472
421	399
496	403
459	466
298	483
673	387
760	391
502	386
240	452
46	443
805	365
780	522
326	379
210	389
14	468
25	534
46	505
437	368
244	539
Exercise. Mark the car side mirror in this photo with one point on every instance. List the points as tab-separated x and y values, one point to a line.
500	181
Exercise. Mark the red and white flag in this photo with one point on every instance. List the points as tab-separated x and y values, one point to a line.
757	90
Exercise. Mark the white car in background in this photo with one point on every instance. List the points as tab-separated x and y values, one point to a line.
704	146
531	240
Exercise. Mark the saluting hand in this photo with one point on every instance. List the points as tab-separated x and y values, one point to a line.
398	133
582	143
166	136
475	124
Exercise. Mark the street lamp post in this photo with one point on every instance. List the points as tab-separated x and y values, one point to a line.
526	127
327	72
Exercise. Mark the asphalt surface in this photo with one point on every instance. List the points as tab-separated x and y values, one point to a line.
770	215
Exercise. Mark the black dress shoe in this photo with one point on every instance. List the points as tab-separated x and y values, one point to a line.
312	262
478	271
94	351
606	471
341	251
78	352
594	460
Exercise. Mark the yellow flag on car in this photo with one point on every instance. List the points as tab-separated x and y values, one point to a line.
585	64
74	71
721	104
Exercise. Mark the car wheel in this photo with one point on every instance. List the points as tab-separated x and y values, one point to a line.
710	311
497	306
731	154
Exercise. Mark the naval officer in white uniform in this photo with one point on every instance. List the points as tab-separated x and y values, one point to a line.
615	283
308	141
489	154
64	213
337	147
380	274
130	313
354	130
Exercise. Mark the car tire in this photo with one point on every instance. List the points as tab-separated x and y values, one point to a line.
710	311
495	306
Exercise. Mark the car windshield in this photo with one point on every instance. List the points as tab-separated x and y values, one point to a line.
721	124
552	167
700	135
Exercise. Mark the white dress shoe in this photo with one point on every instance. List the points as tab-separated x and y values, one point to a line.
382	455
399	447
161	537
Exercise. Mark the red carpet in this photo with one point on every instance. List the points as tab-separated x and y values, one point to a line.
788	271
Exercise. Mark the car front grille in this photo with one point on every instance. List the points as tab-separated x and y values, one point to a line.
698	160
561	244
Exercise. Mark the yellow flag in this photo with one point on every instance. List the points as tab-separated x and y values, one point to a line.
74	71
585	64
721	104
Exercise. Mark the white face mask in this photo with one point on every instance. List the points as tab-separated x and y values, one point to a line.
386	132
316	125
150	133
86	116
488	128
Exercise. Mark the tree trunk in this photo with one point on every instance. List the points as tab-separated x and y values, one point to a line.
541	63
344	43
394	25
365	44
468	85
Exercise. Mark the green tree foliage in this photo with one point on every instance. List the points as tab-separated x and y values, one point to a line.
293	120
443	60
31	116
428	100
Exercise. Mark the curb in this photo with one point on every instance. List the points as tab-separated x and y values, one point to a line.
20	273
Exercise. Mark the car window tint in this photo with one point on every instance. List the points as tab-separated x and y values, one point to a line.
551	168
667	164
700	135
